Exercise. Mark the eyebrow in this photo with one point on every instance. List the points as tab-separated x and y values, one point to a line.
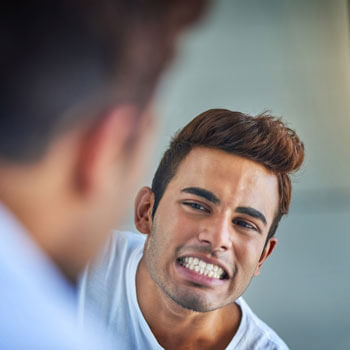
252	212
201	192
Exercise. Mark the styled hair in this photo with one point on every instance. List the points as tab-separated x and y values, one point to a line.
263	139
67	61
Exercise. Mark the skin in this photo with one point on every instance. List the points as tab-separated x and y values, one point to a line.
218	207
71	198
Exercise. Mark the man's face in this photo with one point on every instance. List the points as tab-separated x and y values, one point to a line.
209	231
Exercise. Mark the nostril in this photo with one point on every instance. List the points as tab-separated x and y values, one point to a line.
224	248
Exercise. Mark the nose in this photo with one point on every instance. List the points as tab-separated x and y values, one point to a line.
218	235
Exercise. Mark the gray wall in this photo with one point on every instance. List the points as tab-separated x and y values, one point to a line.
291	57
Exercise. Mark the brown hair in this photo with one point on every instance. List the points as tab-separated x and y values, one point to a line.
263	139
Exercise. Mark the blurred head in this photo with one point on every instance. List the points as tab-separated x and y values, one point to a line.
67	62
77	78
215	203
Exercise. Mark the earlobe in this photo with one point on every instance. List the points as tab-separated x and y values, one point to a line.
270	246
144	202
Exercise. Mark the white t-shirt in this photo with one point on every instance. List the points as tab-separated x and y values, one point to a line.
109	290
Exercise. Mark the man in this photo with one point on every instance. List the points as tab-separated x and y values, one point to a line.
76	80
210	219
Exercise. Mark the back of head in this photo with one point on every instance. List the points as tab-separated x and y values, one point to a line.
65	61
263	139
71	71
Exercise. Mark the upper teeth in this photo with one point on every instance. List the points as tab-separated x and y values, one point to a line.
200	266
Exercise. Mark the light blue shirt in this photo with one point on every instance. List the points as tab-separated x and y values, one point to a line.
37	304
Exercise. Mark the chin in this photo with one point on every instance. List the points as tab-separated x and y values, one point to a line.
193	302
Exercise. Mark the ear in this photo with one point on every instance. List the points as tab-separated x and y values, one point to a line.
143	210
104	146
270	246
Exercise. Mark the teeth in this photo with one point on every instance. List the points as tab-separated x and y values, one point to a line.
201	267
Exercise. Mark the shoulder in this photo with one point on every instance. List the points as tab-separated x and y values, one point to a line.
122	249
106	282
43	320
37	305
119	249
130	240
257	334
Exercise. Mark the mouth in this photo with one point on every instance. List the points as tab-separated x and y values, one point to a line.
203	268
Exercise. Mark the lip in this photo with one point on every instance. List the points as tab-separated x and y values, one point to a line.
193	276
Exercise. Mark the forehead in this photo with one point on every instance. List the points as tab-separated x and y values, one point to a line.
235	180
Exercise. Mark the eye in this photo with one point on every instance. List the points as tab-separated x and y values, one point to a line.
245	224
196	206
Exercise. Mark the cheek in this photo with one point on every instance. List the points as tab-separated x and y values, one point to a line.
248	253
175	225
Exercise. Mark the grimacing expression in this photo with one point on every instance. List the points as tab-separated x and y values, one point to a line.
208	233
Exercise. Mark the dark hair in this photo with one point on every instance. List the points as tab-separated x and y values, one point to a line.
85	56
263	139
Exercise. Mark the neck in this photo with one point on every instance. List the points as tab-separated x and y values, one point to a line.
189	329
36	194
